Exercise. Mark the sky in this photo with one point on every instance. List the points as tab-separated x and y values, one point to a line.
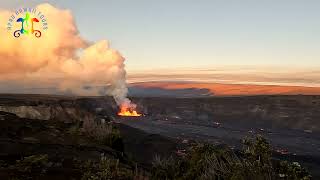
154	35
259	42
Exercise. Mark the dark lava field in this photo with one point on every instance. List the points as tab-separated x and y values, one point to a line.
290	123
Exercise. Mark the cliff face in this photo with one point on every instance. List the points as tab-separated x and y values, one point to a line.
31	112
41	112
57	108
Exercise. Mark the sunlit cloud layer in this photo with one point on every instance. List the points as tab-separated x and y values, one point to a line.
234	75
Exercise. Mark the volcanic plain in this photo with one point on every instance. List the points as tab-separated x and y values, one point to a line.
39	124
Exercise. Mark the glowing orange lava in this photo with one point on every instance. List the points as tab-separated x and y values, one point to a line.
125	111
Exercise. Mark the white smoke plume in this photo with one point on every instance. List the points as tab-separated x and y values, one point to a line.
60	59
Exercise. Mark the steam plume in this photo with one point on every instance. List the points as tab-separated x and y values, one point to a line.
61	58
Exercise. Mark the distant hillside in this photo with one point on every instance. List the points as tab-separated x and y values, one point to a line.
194	89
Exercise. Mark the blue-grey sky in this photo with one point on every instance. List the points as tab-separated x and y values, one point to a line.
155	34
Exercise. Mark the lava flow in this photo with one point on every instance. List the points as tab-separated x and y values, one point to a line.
125	111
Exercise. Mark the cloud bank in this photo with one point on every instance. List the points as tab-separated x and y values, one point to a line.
60	59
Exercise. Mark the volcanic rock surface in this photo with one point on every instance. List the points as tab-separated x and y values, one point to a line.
40	122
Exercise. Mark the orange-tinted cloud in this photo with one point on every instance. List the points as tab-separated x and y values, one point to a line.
28	54
60	58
